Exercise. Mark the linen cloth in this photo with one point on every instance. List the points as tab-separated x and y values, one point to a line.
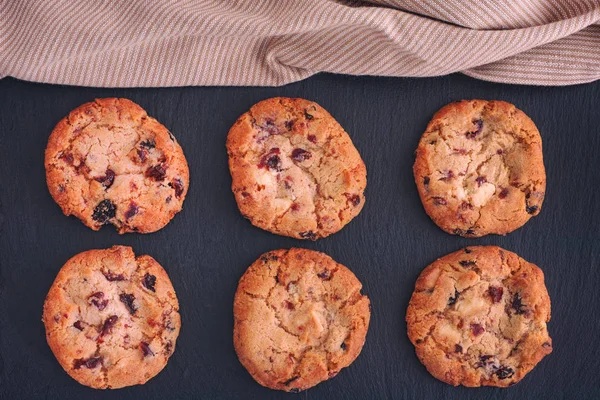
144	43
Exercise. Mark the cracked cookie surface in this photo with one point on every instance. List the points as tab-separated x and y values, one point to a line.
479	168
112	319
478	317
295	171
299	318
108	162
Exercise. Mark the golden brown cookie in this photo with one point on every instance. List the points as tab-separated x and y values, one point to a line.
479	168
108	162
295	170
478	317
112	318
299	318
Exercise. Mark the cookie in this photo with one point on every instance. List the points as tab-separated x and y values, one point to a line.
112	318
295	170
299	318
108	162
479	168
478	317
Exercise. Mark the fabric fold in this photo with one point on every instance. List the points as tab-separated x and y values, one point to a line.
142	43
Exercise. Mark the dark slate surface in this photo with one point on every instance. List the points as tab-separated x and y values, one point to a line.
208	246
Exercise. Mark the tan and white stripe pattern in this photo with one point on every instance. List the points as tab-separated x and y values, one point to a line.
128	43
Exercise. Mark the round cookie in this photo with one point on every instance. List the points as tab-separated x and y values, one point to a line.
478	317
295	170
479	168
299	318
112	318
108	162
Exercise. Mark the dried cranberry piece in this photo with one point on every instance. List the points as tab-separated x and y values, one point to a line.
271	160
108	178
168	347
308	235
496	293
149	143
483	360
146	349
503	193
289	305
128	300
517	304
104	211
289	124
452	300
312	138
157	172
478	127
89	363
67	158
177	184
110	276
149	281
467	263
426	180
108	325
308	116
354	199
325	275
78	325
477	329
343	346
300	155
132	210
458	348
480	180
439	201
504	372
97	300
467	250
142	154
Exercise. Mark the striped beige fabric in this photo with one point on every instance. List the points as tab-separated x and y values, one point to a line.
126	43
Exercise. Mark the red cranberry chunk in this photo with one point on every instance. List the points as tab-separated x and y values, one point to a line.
478	127
495	293
531	209
505	372
128	300
308	235
354	199
149	143
97	300
146	349
177	184
300	155
477	329
480	180
131	211
111	277
458	348
289	305
452	300
157	172
89	363
325	275
78	325
108	325
108	179
149	281
503	193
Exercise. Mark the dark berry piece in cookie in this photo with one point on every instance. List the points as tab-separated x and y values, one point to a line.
439	201
149	281
271	160
505	372
157	172
452	300
132	210
177	184
108	178
111	277
98	300
108	325
300	155
128	300
496	293
78	325
90	363
148	143
146	349
104	211
308	235
477	329
517	304
478	127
